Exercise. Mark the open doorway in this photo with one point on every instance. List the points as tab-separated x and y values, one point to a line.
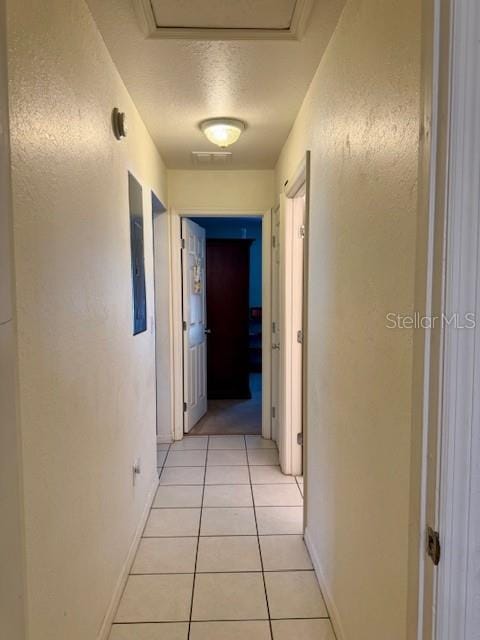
188	388
222	321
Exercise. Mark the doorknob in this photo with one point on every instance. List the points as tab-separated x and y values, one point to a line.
208	331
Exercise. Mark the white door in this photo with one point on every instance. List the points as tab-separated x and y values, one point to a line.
275	366
194	340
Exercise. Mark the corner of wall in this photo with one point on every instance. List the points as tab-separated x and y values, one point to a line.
326	592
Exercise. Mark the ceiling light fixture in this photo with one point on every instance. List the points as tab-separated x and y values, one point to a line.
223	131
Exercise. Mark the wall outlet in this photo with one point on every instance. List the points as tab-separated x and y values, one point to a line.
136	469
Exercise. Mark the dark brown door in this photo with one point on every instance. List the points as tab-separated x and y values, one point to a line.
228	267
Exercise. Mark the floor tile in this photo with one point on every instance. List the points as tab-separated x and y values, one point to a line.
227	475
161	455
226	442
229	596
182	475
279	520
253	630
277	495
226	458
284	553
228	495
299	479
302	630
228	554
294	594
257	442
270	475
172	522
267	457
228	522
165	555
190	443
156	599
178	496
150	631
186	458
163	446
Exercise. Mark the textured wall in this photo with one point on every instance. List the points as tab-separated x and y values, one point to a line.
360	120
217	190
87	386
11	534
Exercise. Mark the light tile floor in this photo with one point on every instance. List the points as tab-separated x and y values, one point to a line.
222	555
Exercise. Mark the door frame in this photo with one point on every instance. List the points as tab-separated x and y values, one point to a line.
450	422
158	209
275	268
296	186
175	216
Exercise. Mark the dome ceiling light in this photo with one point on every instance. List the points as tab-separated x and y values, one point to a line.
223	131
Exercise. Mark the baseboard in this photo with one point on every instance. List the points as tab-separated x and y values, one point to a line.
327	596
164	440
122	579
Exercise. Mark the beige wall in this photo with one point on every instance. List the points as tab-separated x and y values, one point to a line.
12	622
87	386
216	190
360	119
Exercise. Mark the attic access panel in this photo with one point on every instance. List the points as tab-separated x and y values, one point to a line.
224	19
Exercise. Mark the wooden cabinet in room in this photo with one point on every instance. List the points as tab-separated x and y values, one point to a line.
228	314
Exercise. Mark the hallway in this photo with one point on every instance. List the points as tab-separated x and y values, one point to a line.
121	121
234	416
222	555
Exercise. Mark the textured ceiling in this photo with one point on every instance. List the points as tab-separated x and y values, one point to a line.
177	83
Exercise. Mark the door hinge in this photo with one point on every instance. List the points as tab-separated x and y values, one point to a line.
274	412
274	327
433	545
183	243
300	439
300	336
274	242
184	406
184	325
302	231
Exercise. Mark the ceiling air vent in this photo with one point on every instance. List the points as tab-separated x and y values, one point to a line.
211	158
224	19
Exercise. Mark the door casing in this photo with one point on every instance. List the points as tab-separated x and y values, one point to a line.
276	319
175	217
446	443
292	331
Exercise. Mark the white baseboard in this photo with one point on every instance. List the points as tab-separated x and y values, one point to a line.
122	579
327	596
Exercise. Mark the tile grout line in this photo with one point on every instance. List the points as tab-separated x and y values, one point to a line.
151	506
198	538
198	542
261	506
259	546
237	571
156	622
